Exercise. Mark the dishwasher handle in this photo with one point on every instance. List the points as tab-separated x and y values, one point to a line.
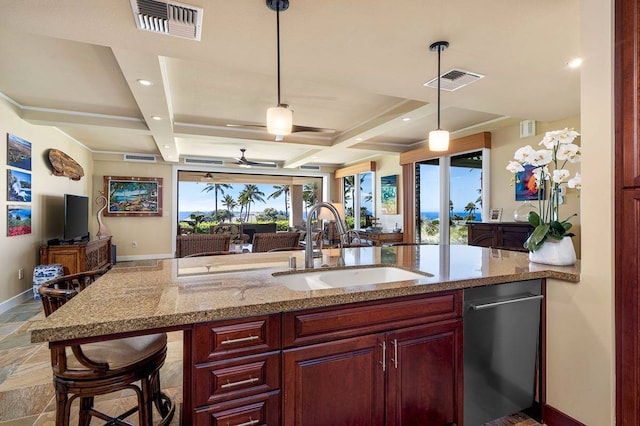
490	305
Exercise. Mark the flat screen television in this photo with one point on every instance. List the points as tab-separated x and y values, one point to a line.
76	217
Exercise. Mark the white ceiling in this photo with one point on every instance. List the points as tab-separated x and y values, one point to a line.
355	66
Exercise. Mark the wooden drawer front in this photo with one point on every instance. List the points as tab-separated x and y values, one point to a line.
236	378
225	339
318	325
259	410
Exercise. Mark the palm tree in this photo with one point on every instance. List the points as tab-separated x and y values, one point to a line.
216	188
471	208
279	191
230	203
249	195
309	195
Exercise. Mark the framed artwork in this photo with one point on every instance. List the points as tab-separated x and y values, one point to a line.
526	187
495	215
18	152
389	194
133	196
18	220
18	186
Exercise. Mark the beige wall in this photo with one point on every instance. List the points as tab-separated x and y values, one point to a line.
153	235
47	205
580	321
504	143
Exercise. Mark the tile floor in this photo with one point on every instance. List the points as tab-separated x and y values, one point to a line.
26	391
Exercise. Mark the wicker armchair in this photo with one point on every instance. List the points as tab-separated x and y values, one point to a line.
200	243
233	229
267	241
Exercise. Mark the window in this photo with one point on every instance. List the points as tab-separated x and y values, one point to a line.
358	199
448	187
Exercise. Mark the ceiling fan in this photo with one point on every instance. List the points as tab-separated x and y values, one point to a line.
243	162
280	117
294	129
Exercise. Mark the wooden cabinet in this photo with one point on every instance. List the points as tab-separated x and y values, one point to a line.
403	365
389	362
501	235
380	238
80	257
235	372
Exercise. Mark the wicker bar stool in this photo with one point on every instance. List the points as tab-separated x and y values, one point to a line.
92	369
265	241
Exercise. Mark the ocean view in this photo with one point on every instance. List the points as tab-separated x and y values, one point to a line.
427	215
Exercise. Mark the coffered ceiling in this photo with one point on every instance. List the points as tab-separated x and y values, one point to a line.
355	66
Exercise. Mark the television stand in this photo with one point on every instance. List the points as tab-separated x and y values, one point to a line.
78	256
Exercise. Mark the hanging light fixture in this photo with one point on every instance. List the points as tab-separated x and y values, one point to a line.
280	117
439	139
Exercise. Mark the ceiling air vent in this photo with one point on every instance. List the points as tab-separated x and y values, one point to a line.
310	167
171	18
454	80
140	157
202	161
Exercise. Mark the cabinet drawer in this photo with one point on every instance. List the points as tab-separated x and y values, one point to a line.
263	409
225	339
236	378
323	324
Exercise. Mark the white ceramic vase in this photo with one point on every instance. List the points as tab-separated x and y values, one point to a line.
555	252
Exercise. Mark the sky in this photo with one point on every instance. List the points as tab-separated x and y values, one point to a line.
193	199
465	183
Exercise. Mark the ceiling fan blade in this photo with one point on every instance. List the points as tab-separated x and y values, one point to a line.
300	129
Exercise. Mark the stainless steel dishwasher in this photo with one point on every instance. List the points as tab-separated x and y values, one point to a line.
501	333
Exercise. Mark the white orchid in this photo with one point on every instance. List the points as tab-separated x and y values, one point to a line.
575	182
548	165
515	167
556	137
560	176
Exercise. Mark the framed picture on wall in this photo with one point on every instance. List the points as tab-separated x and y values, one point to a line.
526	186
133	196
389	194
18	220
18	186
18	152
495	215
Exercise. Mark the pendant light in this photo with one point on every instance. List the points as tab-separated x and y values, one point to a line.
439	139
280	117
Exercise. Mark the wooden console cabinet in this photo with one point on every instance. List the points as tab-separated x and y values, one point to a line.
391	362
79	257
501	235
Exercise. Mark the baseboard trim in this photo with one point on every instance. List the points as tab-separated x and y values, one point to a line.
16	300
554	417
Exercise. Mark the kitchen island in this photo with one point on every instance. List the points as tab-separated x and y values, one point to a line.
238	318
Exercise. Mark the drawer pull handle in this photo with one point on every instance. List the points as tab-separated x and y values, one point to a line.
395	353
240	383
249	423
383	345
242	339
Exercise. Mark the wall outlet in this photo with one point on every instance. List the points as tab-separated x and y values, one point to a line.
21	273
134	244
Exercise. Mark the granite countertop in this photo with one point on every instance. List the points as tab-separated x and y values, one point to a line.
148	295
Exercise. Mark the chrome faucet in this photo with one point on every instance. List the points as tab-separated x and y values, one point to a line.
342	230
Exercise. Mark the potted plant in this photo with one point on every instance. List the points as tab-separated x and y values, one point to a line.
550	240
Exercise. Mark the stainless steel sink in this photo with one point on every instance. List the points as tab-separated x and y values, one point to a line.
347	277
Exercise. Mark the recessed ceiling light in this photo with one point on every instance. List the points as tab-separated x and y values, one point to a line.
358	139
406	119
575	63
144	82
155	117
166	146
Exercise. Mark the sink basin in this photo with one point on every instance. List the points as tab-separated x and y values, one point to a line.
349	277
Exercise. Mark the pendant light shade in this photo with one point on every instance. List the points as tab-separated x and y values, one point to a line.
280	117
279	121
439	139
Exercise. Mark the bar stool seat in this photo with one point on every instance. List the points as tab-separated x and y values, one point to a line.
91	369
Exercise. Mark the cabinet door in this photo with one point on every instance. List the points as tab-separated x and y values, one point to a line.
334	383
424	374
481	234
